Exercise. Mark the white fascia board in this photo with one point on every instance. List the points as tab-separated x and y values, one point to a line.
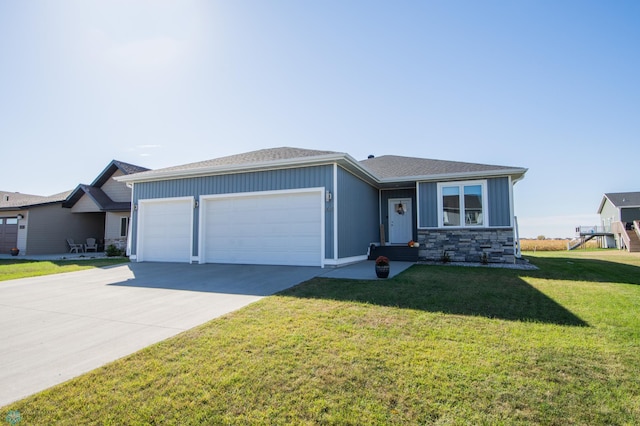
604	200
458	176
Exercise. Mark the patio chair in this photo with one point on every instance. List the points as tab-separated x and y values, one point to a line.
91	245
73	247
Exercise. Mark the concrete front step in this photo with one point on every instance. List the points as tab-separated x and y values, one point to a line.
402	253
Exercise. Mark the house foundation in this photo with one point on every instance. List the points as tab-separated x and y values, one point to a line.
467	245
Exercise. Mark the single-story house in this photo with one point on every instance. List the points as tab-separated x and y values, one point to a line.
25	221
292	206
618	211
41	225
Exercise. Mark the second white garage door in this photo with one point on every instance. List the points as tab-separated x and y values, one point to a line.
275	228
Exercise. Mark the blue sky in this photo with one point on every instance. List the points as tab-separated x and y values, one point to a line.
548	85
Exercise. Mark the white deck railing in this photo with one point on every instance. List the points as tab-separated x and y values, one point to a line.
586	230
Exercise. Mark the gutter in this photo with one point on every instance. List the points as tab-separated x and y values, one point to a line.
462	175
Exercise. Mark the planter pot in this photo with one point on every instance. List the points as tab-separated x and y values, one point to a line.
382	271
14	252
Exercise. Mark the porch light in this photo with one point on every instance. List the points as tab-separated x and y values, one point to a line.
328	196
20	216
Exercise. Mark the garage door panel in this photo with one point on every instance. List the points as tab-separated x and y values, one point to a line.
165	228
280	229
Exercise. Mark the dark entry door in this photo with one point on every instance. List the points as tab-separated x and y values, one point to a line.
8	233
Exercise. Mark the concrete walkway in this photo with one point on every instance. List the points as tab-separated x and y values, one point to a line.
60	256
56	327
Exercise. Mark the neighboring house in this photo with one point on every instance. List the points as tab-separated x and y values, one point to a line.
618	212
107	202
41	225
25	221
290	206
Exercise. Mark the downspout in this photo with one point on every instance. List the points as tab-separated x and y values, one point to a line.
335	212
130	227
380	223
514	222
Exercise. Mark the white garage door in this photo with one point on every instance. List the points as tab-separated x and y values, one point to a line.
283	228
164	230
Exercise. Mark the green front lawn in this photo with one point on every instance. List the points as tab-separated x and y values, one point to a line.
436	344
13	269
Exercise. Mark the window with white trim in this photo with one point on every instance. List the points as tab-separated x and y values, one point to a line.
462	204
124	226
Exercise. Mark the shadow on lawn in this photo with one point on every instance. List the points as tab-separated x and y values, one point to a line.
491	293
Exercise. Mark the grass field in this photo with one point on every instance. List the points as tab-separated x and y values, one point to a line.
435	345
551	245
13	269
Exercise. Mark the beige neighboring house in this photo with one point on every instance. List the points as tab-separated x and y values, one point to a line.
31	222
108	202
42	224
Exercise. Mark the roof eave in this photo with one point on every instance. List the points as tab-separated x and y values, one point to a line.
28	206
518	173
604	200
73	198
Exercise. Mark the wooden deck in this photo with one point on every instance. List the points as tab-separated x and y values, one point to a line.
627	233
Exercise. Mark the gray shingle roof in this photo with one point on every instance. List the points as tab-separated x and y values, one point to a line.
254	157
393	166
389	168
624	199
111	168
98	195
17	200
129	169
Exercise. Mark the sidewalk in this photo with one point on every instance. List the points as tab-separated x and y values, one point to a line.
64	256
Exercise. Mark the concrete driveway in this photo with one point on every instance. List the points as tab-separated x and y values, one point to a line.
57	327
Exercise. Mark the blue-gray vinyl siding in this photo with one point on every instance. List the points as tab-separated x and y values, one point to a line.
385	196
428	199
498	203
272	180
498	192
357	219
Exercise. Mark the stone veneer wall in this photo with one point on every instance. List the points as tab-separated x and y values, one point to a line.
467	245
120	243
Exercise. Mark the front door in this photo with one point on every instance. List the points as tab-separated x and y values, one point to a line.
8	234
400	221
